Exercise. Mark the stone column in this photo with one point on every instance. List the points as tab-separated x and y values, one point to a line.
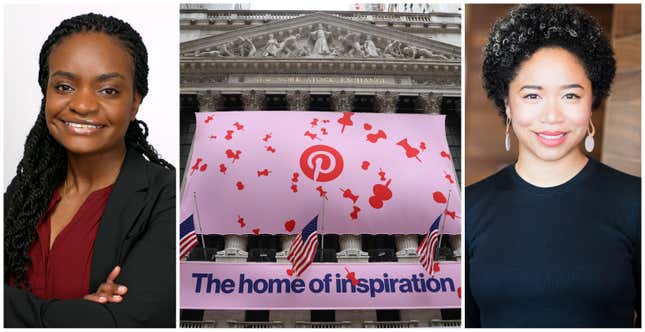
386	102
342	101
253	100
234	249
431	103
406	246
298	100
455	243
350	249
281	257
208	101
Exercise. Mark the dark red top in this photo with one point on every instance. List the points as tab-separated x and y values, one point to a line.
64	271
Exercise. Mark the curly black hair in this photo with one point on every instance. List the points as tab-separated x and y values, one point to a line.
528	28
44	163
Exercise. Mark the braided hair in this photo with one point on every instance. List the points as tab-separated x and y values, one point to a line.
44	163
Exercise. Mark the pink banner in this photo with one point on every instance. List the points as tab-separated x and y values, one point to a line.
331	286
361	173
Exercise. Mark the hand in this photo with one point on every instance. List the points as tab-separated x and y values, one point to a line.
109	291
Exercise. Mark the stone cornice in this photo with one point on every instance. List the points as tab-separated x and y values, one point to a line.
201	65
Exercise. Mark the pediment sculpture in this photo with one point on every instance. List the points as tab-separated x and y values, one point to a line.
319	41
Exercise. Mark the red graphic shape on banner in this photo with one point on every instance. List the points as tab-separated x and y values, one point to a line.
410	151
374	137
240	185
233	155
422	145
212	136
354	214
436	268
346	120
203	168
229	135
289	225
267	137
325	121
365	165
222	168
445	155
352	277
240	221
294	188
322	192
270	149
196	166
439	197
321	163
323	131
367	126
256	231
381	193
347	193
448	177
238	126
208	119
312	135
264	172
459	291
381	173
451	214
294	178
290	272
314	122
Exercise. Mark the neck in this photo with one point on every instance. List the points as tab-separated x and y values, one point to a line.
89	172
549	173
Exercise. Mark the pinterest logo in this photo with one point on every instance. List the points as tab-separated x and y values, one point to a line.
321	163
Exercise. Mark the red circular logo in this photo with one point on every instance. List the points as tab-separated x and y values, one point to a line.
321	163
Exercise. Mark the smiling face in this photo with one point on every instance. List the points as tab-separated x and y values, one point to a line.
549	103
90	93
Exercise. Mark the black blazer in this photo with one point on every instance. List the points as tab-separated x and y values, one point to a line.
137	232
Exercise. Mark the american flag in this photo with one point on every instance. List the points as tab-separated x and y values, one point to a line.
303	247
187	236
428	246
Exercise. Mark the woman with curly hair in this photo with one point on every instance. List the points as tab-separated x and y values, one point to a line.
554	239
89	217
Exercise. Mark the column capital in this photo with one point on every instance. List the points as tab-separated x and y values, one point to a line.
431	103
386	102
253	100
298	100
208	100
342	101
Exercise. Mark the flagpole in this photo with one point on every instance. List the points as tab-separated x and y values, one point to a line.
443	223
199	222
322	218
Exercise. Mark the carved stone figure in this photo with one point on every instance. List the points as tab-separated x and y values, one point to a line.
289	46
421	53
247	48
393	50
320	46
219	51
273	47
370	49
351	44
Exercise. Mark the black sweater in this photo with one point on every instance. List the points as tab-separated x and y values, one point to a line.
564	256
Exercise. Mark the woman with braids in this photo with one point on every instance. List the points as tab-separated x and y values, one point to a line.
554	239
90	215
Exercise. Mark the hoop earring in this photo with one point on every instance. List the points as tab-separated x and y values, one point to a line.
589	141
507	138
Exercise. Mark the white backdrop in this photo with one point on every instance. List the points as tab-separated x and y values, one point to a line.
26	27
